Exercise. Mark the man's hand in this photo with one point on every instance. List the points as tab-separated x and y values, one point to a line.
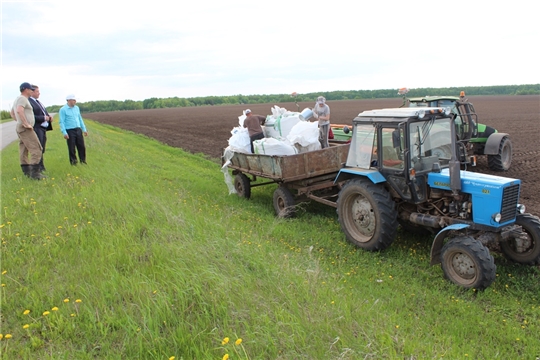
66	136
85	133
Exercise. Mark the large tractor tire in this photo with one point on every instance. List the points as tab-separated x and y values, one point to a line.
468	263
528	250
367	214
503	160
242	185
284	204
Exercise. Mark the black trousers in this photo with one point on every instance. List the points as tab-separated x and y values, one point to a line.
41	133
76	141
253	138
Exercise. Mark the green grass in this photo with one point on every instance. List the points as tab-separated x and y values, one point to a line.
142	254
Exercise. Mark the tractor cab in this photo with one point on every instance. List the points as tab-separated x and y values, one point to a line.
404	145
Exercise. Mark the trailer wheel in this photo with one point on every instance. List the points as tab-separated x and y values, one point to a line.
468	263
242	185
528	250
284	204
367	214
501	161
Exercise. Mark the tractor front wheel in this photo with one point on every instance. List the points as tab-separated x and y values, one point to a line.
525	247
468	263
502	161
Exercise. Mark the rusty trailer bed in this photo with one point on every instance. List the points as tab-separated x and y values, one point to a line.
288	168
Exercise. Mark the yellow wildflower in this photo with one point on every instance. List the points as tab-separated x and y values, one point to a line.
226	357
4	272
78	301
54	309
9	336
1	336
26	326
238	341
46	313
26	312
66	300
225	341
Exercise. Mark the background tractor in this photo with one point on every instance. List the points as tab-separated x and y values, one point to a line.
473	138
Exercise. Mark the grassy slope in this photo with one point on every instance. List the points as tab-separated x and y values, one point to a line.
143	254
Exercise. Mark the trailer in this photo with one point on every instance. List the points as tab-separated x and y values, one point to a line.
300	177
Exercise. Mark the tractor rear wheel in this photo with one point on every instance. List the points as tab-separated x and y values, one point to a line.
526	248
242	185
367	214
468	263
502	161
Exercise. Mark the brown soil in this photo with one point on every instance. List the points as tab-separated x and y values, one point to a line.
207	130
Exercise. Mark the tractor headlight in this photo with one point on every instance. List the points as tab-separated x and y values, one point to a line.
521	208
497	217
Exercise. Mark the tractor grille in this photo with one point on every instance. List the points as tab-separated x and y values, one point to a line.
509	203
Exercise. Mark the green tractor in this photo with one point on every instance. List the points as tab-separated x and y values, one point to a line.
473	138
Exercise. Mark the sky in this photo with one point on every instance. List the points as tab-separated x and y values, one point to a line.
130	50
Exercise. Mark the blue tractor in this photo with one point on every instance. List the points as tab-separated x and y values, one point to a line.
403	168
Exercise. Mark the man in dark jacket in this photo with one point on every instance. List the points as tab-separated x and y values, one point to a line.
253	124
43	121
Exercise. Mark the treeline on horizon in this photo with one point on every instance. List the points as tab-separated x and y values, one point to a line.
172	102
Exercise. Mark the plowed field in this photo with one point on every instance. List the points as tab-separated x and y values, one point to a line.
207	130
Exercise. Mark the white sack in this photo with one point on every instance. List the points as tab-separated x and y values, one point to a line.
304	133
239	140
271	146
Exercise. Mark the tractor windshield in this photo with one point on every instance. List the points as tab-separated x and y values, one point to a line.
430	142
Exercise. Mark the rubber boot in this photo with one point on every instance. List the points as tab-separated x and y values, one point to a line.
35	172
25	169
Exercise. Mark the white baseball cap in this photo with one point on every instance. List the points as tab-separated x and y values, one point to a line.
70	97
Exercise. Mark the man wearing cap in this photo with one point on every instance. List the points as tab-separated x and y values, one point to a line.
253	124
321	111
42	121
72	127
28	140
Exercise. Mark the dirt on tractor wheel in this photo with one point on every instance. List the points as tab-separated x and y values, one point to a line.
206	130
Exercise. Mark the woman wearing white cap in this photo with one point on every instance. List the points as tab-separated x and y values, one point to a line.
72	127
321	111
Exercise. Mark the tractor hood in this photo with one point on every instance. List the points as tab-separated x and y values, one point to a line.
486	192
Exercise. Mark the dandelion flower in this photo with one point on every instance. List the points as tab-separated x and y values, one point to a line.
78	301
26	312
225	357
72	315
172	358
26	326
1	336
54	309
4	272
238	341
46	313
9	336
225	341
66	300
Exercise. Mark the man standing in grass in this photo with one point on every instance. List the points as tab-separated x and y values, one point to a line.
72	127
42	122
28	141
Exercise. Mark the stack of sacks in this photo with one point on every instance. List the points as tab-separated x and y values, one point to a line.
239	141
279	124
305	136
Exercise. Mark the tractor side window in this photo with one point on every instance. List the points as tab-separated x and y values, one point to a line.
361	148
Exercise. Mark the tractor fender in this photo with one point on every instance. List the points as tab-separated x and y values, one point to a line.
353	172
493	142
438	242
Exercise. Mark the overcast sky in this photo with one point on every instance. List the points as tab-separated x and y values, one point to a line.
118	50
